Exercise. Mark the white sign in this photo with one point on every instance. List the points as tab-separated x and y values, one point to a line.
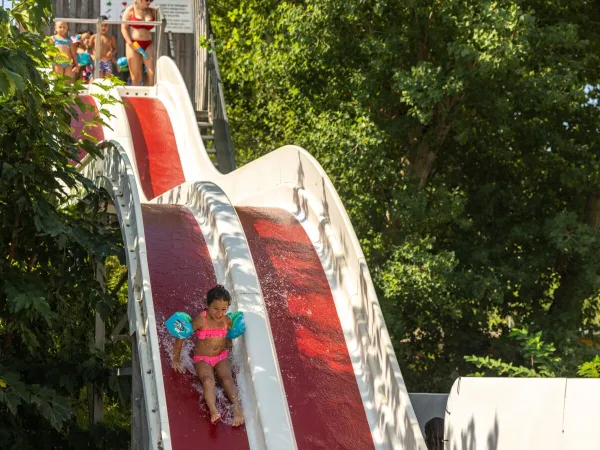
179	13
113	9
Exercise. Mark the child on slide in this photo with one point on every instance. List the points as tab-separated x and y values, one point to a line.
210	355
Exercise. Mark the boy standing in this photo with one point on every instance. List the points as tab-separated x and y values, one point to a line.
108	46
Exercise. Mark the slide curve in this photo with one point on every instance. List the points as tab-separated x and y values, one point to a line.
316	368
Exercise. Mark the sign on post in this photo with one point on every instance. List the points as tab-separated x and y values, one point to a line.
179	13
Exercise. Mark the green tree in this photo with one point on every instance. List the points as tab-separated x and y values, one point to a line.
537	358
462	137
50	242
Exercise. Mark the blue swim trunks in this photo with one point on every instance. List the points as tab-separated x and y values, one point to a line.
106	67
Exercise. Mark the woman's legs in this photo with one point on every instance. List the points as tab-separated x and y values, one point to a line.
134	61
223	369
206	374
149	63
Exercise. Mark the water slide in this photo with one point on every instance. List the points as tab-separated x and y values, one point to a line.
315	368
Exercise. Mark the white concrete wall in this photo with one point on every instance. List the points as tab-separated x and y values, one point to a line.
427	406
522	414
582	414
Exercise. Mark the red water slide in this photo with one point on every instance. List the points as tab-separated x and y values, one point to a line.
324	400
181	272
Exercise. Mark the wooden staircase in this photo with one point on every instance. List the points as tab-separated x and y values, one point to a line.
207	133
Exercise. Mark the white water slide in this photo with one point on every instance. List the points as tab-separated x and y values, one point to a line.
315	368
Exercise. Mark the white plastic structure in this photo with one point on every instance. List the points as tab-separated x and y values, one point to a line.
297	184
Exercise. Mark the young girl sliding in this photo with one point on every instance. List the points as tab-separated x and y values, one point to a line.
211	353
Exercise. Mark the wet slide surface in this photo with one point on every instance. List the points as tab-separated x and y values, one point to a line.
325	404
155	147
78	124
181	272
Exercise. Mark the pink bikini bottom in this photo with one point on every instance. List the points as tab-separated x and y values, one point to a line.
212	360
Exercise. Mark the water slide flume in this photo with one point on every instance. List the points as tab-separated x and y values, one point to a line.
316	364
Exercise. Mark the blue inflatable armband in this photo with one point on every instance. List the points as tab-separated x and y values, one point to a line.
180	325
83	59
238	326
122	63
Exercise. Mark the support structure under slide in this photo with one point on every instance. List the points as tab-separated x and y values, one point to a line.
315	368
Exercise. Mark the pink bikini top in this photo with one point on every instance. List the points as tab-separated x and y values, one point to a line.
211	332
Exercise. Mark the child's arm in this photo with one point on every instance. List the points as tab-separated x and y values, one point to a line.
74	58
198	322
228	342
113	49
177	355
92	46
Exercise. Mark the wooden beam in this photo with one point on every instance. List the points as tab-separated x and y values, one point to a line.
95	397
139	425
114	336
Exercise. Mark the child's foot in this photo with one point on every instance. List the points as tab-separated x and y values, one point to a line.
215	417
238	416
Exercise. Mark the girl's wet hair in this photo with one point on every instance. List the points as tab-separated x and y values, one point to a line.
218	293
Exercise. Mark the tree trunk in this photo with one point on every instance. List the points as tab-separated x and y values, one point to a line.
422	163
592	211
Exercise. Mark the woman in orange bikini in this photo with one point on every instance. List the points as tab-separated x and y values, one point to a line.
211	353
141	12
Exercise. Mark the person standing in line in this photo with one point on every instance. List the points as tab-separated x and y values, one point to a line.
139	37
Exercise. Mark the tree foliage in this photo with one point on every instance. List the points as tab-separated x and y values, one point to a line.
463	139
50	243
538	358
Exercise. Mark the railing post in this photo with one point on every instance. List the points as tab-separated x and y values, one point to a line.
98	48
95	394
139	425
159	41
223	143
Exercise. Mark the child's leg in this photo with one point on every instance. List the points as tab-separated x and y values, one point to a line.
223	369
206	374
69	72
59	69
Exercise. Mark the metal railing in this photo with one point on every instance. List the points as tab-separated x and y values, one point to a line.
209	95
201	32
216	108
160	24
